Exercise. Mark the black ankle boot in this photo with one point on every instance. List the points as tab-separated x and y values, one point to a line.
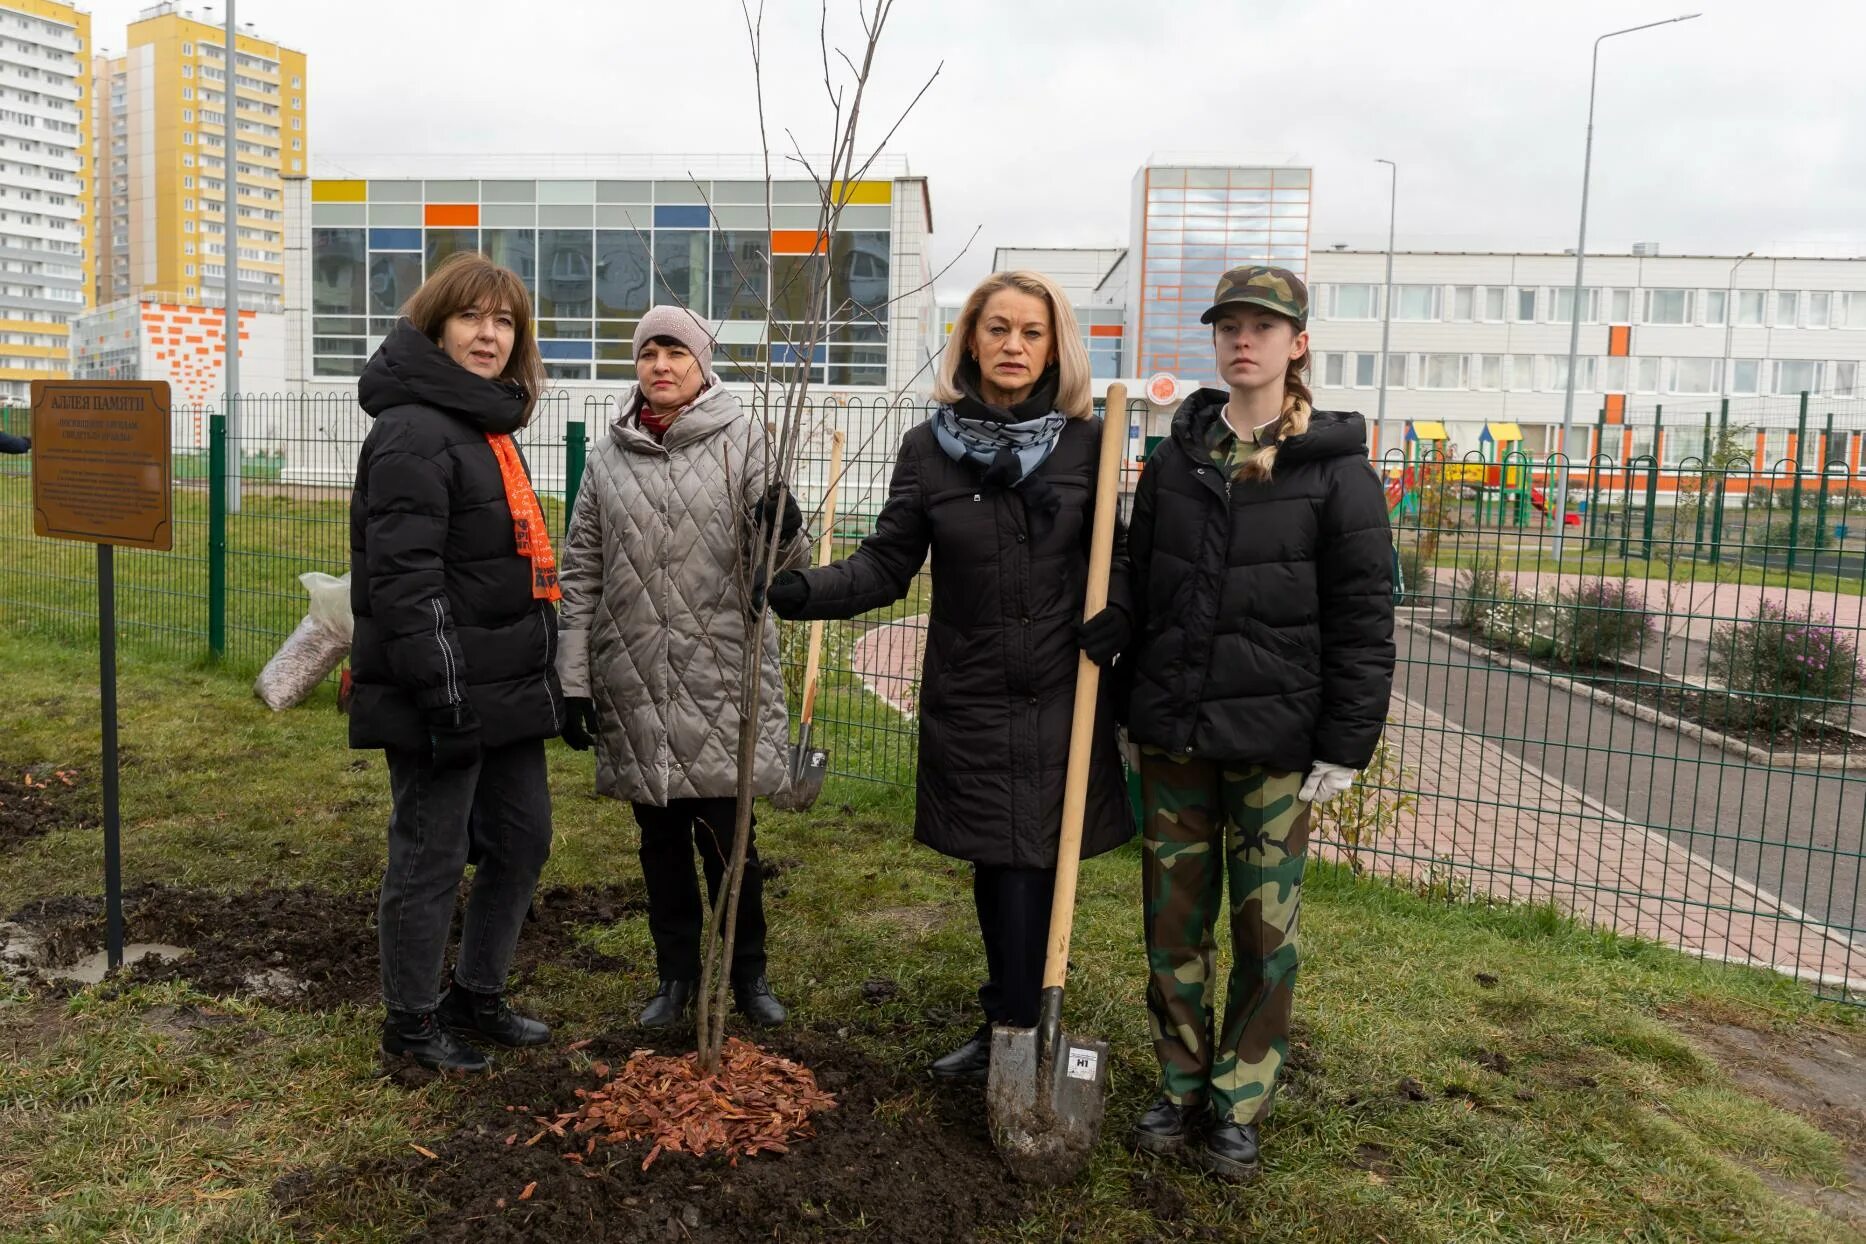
1166	1127
470	1013
1230	1152
670	1004
970	1062
419	1037
756	1002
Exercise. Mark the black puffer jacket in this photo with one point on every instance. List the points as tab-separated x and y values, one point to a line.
1265	608
997	687
444	611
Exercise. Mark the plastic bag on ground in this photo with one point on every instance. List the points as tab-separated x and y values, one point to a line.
314	649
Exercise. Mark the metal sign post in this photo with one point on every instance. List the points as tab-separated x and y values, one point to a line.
101	473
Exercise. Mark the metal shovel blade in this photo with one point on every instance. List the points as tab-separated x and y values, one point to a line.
807	767
1045	1102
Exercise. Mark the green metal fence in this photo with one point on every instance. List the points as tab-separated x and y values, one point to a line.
1647	716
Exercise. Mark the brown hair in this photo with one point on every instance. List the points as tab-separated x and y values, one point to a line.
468	281
1073	397
1298	403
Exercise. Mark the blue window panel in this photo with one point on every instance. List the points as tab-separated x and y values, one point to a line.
784	352
682	216
395	239
567	351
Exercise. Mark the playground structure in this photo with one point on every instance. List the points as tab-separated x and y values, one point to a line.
1502	477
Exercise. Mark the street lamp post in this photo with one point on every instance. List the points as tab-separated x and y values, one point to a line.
1580	260
1386	308
230	322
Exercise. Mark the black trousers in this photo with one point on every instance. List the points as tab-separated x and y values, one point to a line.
676	920
1014	918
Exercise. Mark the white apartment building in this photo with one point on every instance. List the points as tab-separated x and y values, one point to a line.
1481	337
44	153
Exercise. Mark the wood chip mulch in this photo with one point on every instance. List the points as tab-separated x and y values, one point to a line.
756	1103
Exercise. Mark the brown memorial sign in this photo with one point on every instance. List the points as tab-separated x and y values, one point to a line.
100	462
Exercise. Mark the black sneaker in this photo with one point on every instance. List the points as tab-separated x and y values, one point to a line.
756	1002
970	1062
468	1013
670	1004
1166	1127
1230	1152
419	1038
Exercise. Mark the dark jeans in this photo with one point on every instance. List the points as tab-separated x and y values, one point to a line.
500	811
675	918
1014	917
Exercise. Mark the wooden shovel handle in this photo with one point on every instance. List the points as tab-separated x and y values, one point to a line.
825	546
1088	685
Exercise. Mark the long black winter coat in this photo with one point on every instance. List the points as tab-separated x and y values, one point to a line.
997	689
444	611
1265	608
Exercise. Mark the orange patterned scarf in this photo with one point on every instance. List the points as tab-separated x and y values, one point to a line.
534	541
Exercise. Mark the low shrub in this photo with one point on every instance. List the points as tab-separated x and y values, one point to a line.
1783	668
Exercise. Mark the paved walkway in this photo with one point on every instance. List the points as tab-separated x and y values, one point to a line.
1502	827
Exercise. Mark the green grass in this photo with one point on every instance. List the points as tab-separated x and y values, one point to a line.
117	1124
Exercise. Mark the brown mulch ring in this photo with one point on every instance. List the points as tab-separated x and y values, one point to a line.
896	1159
303	947
37	799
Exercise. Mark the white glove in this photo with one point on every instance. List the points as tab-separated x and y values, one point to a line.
1325	781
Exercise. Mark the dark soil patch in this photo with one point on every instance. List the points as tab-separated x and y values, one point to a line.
35	800
893	1161
304	947
1713	709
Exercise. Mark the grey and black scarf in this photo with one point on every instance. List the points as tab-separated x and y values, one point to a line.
1007	444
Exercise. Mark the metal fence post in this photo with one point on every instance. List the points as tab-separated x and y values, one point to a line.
1723	483
1704	479
216	537
1794	505
1820	503
576	446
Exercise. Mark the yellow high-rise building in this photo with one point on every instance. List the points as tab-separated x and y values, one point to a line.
45	143
163	160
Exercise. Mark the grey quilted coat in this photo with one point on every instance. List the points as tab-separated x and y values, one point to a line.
653	622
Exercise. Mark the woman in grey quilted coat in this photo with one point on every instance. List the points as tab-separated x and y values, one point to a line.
656	627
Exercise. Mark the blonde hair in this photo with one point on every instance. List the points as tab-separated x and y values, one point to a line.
1298	404
1073	397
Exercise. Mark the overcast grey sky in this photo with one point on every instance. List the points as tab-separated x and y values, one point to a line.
1742	130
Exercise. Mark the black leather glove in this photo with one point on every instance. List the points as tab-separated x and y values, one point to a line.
580	724
453	736
768	507
1104	636
788	594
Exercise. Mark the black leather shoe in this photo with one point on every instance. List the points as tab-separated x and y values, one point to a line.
970	1062
670	1004
468	1013
756	1002
1230	1152
1165	1128
420	1038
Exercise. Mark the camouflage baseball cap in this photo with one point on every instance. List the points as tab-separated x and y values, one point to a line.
1274	289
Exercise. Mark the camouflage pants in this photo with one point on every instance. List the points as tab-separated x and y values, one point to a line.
1196	811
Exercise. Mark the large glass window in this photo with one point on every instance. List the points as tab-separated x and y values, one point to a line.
1364	370
1694	376
1493	304
1820	309
1716	306
1787	308
1332	370
741	274
1525	306
566	275
1463	303
1745	376
1522	372
516	249
682	271
441	243
1490	371
1846	379
858	276
393	279
1564	305
622	274
1444	371
1416	302
1620	310
792	277
337	273
1749	304
1356	302
1797	376
1856	311
1668	306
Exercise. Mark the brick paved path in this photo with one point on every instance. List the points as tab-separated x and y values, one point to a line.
1488	821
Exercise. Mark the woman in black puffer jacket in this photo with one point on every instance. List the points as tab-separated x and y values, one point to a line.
1000	487
1262	568
453	585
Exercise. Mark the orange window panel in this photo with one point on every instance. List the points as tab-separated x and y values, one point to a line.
1619	341
1104	330
1616	408
798	242
452	215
